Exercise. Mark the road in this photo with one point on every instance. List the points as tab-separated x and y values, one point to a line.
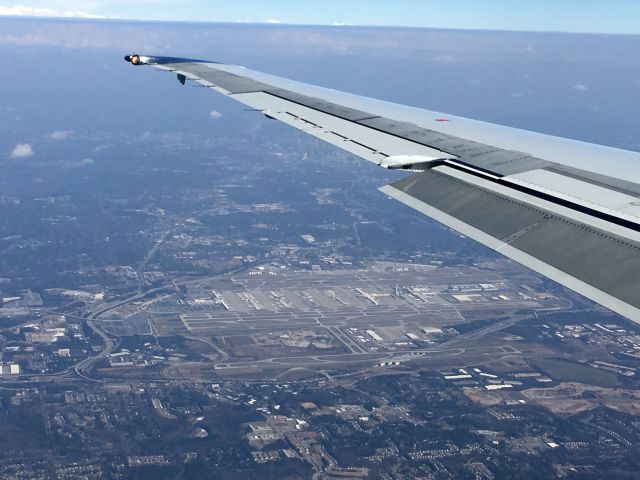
142	282
84	367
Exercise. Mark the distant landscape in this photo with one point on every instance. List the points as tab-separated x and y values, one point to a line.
190	290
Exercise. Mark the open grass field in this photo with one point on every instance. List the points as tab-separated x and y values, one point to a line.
563	371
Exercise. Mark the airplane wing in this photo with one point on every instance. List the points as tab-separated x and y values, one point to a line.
568	210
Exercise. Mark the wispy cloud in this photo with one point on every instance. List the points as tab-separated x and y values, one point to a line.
59	134
444	59
24	11
580	87
438	47
273	20
215	115
22	150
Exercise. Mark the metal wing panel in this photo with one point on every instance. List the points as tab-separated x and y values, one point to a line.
350	136
592	261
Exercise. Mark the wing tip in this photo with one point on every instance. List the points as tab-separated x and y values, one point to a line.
137	59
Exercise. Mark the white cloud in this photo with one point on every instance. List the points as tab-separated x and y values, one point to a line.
22	150
24	11
273	20
215	115
580	87
59	134
516	94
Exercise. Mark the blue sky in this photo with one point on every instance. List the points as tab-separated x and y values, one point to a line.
595	16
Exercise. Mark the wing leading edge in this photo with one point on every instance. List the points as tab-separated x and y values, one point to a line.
566	209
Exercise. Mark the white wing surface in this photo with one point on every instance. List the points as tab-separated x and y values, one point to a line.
566	209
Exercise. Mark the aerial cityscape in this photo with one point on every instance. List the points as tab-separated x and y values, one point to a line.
205	293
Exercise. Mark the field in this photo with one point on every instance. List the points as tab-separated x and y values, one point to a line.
562	371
